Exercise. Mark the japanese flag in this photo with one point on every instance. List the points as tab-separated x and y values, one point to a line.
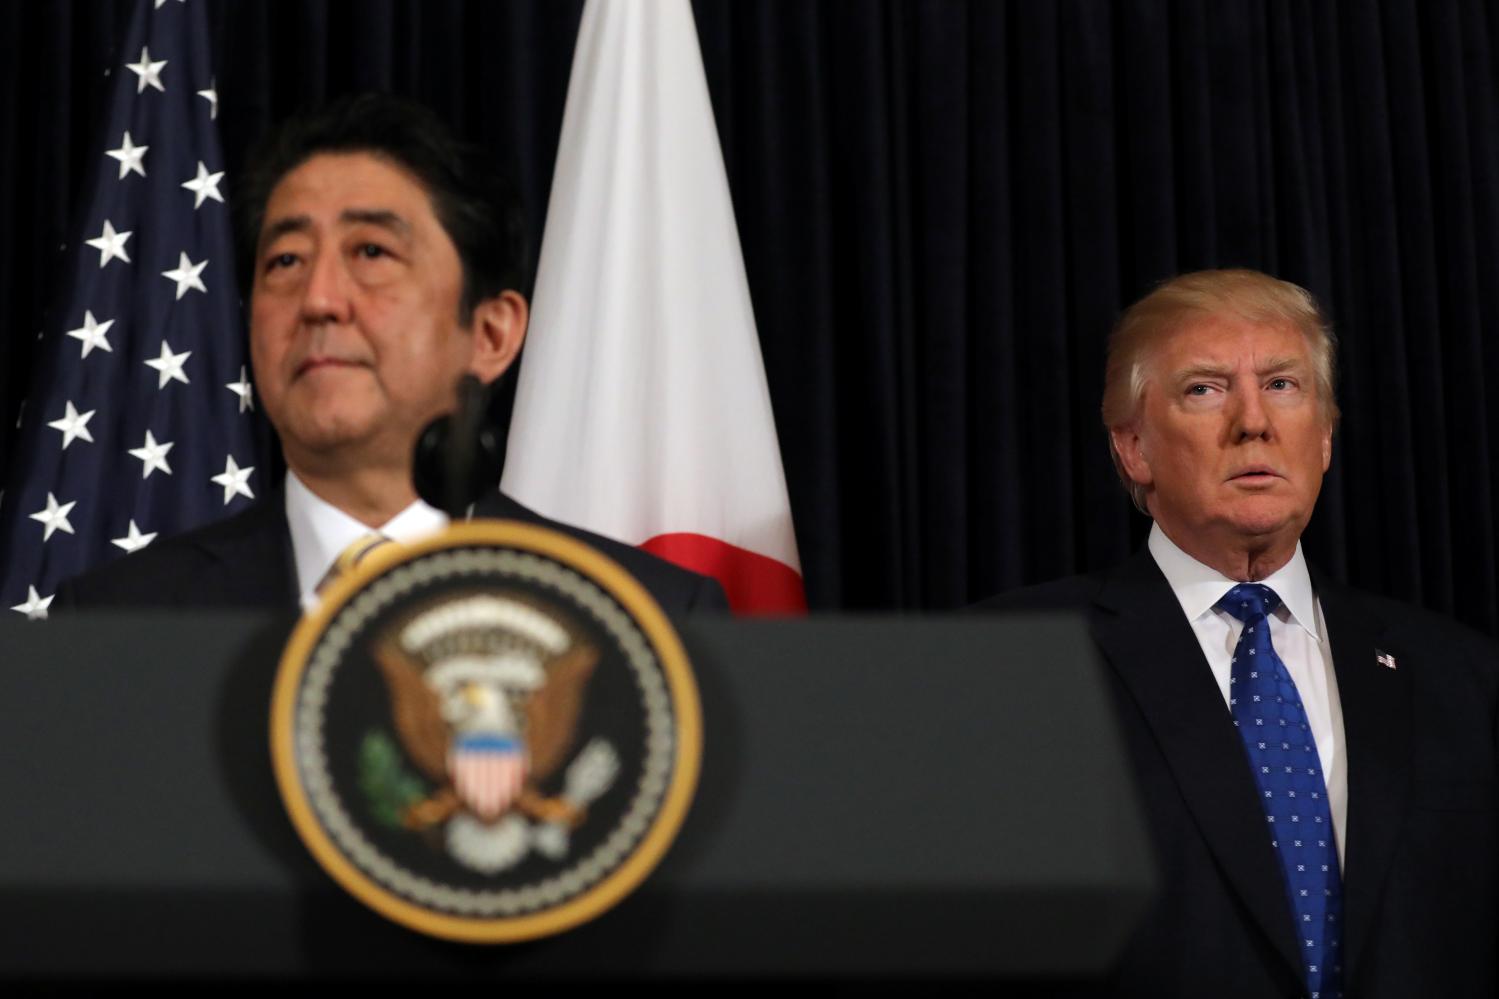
641	410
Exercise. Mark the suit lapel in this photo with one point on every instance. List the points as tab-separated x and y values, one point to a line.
1148	641
497	505
1376	730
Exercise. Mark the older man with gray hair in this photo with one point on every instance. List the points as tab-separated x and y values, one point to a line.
1318	765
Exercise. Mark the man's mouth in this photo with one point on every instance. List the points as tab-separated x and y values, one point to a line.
1254	473
324	363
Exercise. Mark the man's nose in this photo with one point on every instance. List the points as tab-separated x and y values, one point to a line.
325	298
1251	417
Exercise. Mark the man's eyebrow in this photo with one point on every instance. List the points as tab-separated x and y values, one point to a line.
1201	371
382	217
1276	364
1269	366
282	226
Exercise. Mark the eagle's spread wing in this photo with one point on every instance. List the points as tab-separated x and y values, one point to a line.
417	711
552	713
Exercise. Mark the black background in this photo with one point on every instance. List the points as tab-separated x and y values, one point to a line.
943	206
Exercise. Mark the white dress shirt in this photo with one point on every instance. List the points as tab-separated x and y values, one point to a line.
321	531
1299	634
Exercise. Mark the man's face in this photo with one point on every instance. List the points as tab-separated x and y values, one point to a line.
354	331
1231	442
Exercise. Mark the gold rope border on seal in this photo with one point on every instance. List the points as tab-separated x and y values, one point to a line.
647	614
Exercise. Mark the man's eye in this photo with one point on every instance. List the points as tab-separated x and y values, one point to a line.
1281	384
1199	389
371	251
280	260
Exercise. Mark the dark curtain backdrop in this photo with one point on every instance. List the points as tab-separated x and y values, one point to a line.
943	207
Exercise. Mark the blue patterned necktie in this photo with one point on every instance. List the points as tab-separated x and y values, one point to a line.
1268	713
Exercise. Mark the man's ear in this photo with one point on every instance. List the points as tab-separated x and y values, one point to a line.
1131	452
499	329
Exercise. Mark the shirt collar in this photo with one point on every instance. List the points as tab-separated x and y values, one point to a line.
1198	587
320	531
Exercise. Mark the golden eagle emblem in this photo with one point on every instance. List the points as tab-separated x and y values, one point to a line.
486	691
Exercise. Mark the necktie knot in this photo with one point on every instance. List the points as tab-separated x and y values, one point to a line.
351	556
1249	601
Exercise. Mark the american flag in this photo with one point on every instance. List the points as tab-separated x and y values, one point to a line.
140	423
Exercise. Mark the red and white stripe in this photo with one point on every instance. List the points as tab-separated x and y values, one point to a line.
487	780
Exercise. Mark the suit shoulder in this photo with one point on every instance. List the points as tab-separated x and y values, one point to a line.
160	572
1432	647
677	590
1068	593
1425	628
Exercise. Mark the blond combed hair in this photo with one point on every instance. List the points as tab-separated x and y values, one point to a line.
1251	295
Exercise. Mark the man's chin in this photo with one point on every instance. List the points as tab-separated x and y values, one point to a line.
1266	521
326	436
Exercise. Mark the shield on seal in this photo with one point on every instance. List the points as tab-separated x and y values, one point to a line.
488	772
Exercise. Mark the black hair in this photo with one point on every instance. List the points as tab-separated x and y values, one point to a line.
472	198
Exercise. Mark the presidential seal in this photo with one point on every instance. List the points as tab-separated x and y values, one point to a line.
489	736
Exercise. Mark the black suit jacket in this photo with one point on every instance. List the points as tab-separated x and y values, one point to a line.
246	561
1421	865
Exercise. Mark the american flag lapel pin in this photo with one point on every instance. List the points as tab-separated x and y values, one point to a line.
1384	659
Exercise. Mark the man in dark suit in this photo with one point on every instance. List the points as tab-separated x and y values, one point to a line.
387	259
1318	766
